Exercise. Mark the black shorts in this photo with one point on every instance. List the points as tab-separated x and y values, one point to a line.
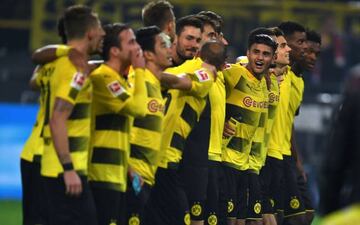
293	202
68	210
270	179
215	178
254	207
110	205
34	206
135	203
305	194
167	203
195	176
236	191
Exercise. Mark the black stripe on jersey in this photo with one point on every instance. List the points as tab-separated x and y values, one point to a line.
189	115
263	119
146	154
271	111
105	185
73	93
243	115
80	111
37	158
104	155
236	143
149	122
77	144
177	142
124	96
114	122
152	91
255	148
242	85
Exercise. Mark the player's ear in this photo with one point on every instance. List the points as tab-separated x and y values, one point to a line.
149	56
115	51
90	33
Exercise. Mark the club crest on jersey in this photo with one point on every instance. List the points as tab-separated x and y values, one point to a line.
78	81
202	75
116	89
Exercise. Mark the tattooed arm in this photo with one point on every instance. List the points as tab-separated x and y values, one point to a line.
62	111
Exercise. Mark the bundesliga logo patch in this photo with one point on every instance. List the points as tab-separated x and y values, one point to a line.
115	88
202	75
78	81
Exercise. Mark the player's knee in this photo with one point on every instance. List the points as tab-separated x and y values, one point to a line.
295	220
309	217
254	222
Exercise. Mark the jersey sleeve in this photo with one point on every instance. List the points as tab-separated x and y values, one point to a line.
111	91
232	74
202	80
69	82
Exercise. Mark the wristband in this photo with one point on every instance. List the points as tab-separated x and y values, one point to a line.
68	166
62	50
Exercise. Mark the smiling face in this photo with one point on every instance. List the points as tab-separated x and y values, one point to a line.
162	51
188	42
282	52
96	35
260	57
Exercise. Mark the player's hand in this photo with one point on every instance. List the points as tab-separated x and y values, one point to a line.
137	58
79	61
228	130
72	183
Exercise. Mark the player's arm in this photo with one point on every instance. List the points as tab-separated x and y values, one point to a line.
50	53
33	83
203	80
232	74
61	112
136	105
170	81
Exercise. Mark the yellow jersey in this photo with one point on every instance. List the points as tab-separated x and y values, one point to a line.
296	95
182	112
59	79
277	135
34	146
110	129
246	110
217	105
146	133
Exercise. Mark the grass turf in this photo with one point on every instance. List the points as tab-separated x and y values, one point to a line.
10	212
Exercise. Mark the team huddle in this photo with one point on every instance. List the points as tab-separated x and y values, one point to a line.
163	130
